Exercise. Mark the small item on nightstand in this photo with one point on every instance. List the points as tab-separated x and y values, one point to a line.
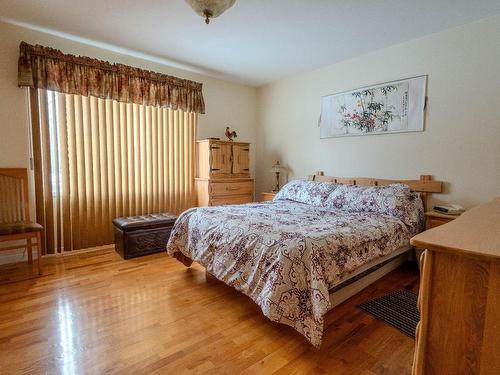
449	209
276	168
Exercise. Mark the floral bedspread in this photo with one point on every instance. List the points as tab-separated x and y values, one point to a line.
286	255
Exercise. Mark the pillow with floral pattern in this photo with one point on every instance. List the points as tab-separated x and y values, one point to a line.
396	200
310	192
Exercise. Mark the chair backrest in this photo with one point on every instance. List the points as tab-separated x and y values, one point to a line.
14	198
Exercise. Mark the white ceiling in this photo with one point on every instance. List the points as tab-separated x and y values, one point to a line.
256	41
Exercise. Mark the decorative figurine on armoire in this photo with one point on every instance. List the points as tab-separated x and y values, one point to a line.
230	134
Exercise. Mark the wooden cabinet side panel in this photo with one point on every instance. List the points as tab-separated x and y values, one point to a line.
203	159
456	313
490	356
202	192
423	308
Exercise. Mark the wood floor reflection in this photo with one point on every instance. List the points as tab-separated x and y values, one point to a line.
93	313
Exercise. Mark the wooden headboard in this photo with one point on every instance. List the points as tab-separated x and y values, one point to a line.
425	185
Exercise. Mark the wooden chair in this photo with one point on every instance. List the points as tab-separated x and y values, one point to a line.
14	214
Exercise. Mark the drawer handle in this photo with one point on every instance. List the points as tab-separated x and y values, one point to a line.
214	169
245	169
232	188
215	147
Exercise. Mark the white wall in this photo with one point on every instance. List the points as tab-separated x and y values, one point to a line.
227	103
461	141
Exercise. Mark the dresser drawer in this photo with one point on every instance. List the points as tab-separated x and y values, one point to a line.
236	199
222	189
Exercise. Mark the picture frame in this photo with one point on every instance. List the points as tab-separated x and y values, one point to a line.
384	108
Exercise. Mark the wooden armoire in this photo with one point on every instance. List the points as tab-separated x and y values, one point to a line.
223	173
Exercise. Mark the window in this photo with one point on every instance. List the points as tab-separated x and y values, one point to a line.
97	159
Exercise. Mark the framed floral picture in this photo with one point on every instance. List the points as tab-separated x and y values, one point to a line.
391	107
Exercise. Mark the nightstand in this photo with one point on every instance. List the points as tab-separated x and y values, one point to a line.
435	219
267	196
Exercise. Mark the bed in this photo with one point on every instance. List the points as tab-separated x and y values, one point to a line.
316	244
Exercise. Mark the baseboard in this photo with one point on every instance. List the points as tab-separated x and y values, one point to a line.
21	255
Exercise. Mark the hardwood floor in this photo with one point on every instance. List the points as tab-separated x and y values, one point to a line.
93	313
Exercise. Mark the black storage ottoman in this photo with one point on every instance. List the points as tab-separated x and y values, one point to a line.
141	235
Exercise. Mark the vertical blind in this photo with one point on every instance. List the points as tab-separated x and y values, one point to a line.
99	159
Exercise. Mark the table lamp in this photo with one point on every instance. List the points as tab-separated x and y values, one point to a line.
276	168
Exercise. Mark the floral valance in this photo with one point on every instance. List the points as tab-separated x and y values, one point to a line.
48	68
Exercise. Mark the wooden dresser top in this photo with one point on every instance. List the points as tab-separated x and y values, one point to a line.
210	140
475	233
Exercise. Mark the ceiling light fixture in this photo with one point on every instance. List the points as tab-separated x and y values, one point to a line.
210	8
